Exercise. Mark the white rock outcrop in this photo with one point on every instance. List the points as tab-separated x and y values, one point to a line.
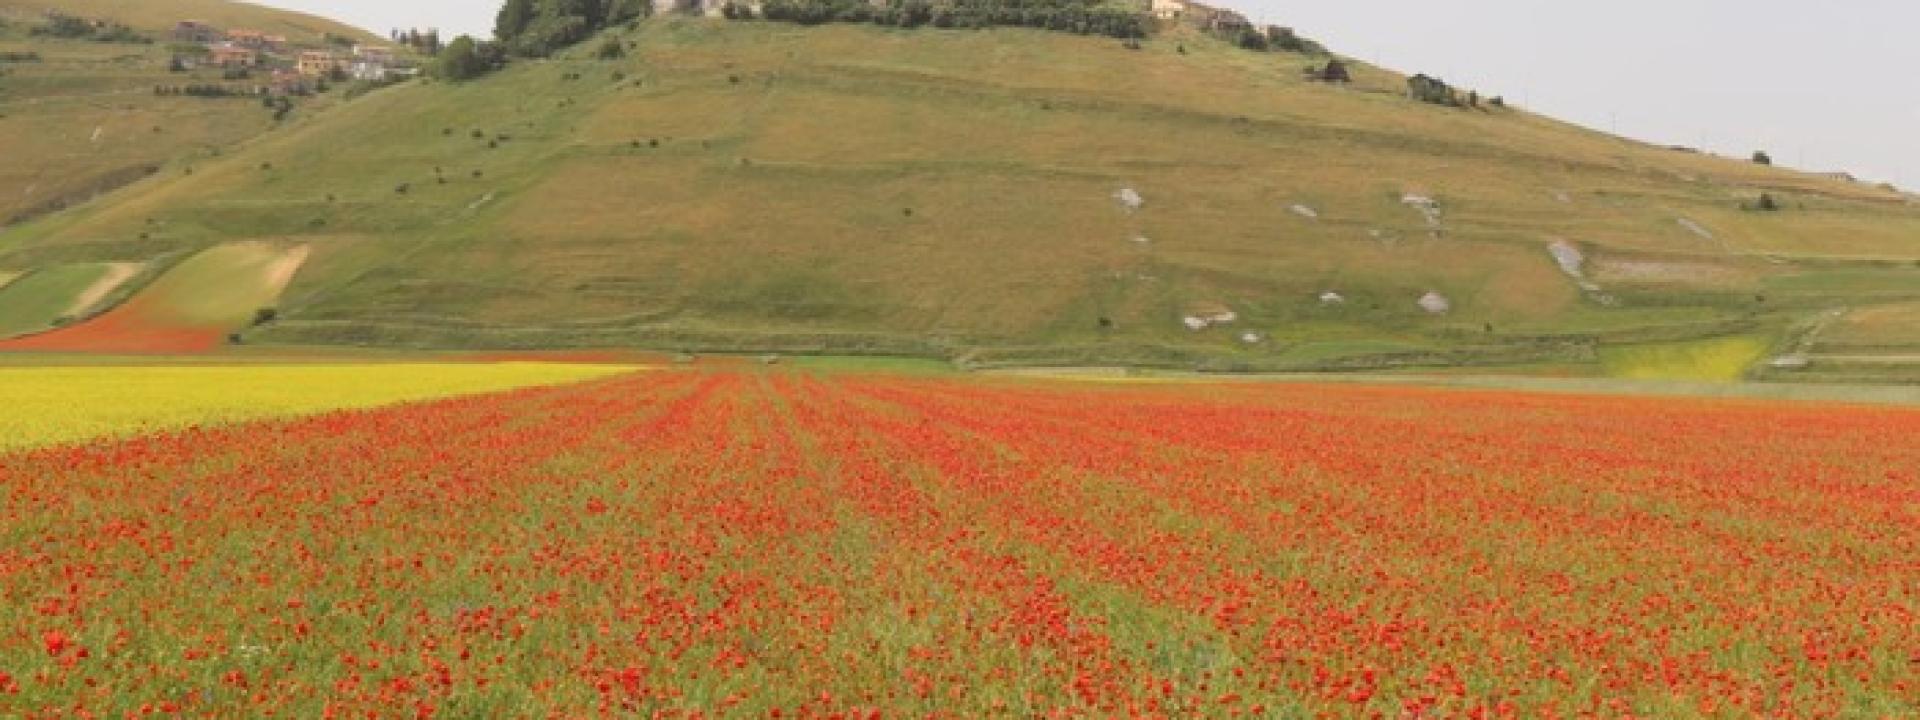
1428	207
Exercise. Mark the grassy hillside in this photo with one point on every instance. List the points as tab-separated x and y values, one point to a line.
954	194
37	299
80	118
191	307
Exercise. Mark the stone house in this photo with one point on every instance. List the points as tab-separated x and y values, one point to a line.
374	54
1200	15
228	55
372	62
257	40
314	63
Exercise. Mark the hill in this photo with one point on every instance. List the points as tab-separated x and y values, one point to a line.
1013	196
79	116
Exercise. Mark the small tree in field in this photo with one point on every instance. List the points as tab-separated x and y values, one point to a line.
612	49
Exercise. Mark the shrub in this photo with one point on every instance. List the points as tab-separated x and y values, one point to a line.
1335	72
1284	38
1767	203
611	49
1760	157
1432	90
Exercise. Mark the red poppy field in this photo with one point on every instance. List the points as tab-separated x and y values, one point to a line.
686	544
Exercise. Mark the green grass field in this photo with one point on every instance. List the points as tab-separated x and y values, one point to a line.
759	187
56	405
36	301
224	286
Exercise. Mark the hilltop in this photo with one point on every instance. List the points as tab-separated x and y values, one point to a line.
1009	196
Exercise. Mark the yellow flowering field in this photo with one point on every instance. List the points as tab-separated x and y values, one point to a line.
51	405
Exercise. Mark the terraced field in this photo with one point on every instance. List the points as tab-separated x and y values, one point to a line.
193	307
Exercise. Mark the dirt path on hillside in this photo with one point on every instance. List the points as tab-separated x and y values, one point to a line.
280	272
117	274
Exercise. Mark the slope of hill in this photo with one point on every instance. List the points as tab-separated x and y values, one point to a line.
1009	196
79	118
51	296
190	308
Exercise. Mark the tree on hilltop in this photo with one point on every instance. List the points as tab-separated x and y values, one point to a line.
538	28
466	59
513	19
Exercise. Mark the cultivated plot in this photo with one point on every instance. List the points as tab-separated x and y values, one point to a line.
731	543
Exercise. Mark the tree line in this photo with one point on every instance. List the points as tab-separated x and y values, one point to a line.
203	90
533	28
538	28
426	43
1432	90
1070	16
70	27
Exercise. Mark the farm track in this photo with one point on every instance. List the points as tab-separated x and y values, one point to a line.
835	545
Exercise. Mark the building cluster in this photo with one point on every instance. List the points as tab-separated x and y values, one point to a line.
292	68
1205	17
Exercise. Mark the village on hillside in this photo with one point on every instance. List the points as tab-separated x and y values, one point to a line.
289	68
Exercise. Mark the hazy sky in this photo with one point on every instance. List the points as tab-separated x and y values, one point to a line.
1824	86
